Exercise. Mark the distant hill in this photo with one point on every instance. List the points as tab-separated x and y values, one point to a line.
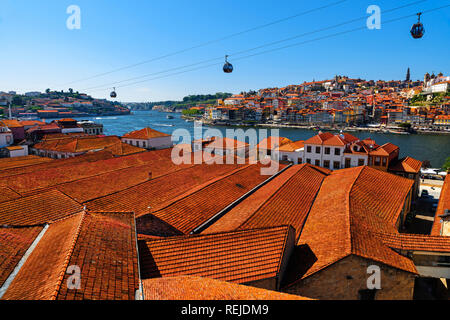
187	102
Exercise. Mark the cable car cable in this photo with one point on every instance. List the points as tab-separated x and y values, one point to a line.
206	43
287	46
251	49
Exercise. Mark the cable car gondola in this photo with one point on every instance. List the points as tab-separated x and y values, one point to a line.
227	67
417	29
113	93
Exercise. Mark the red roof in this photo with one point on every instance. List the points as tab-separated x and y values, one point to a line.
408	165
197	288
38	209
14	242
146	133
350	205
239	257
444	203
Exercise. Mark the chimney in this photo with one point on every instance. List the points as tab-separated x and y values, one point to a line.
150	175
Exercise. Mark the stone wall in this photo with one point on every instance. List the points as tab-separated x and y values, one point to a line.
343	280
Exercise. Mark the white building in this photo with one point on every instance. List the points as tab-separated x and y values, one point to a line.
148	138
327	150
6	136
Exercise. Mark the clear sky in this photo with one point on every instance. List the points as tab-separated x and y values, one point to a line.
38	51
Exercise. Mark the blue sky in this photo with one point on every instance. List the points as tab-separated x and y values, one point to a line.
39	52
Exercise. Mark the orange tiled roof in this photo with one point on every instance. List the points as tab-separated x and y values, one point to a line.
7	194
350	205
12	123
41	275
38	209
105	251
287	199
87	189
88	157
102	245
444	203
408	164
273	142
78	144
159	190
239	257
123	149
146	133
226	143
17	162
197	288
292	146
416	242
14	242
320	138
197	206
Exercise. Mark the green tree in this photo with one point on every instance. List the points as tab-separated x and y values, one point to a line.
47	91
446	165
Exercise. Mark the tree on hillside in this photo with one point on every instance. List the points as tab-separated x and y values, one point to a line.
446	165
70	90
47	91
408	76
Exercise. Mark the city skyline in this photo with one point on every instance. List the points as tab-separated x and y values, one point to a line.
112	36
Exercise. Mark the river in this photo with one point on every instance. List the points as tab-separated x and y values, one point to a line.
435	148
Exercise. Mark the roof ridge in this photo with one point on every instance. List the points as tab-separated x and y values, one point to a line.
68	256
273	194
348	209
196	189
198	235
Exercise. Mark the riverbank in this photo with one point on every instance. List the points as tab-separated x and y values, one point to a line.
388	130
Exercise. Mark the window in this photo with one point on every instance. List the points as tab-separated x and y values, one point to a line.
384	161
336	165
360	162
327	150
285	158
317	163
308	161
308	149
317	149
337	151
326	164
347	162
144	144
300	160
367	294
137	143
377	161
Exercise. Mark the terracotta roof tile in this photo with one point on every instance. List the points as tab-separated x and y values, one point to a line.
38	209
197	288
239	257
408	164
17	162
159	190
358	201
106	253
287	199
416	242
14	242
7	194
444	203
195	208
41	275
146	133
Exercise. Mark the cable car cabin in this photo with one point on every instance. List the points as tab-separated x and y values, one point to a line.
113	94
227	67
417	29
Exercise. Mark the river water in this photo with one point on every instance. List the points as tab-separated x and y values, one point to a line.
435	148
